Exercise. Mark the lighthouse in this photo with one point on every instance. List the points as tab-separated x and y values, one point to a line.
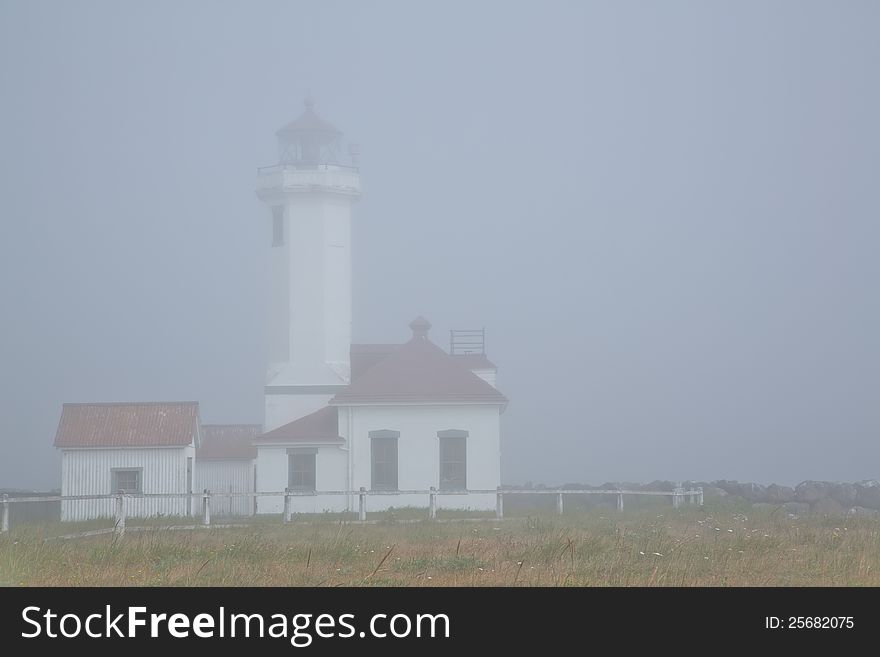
407	420
309	194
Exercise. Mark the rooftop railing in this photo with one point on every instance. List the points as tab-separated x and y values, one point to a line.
303	166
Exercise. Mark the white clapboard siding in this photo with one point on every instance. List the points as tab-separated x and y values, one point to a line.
88	472
226	476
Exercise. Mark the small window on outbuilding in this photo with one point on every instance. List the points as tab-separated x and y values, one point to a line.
129	480
453	459
278	225
301	469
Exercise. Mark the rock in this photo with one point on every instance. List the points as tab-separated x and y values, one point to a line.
862	512
753	492
812	491
780	494
828	507
868	494
796	508
846	494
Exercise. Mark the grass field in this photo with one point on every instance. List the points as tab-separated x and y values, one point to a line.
660	547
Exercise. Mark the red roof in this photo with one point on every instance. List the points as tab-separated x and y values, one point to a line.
418	372
228	441
475	361
322	426
364	356
128	424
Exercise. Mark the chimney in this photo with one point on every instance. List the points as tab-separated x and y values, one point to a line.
420	327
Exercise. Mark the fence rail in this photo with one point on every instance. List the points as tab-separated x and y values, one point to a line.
679	496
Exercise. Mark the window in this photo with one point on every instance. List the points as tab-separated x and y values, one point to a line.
301	469
383	455
128	480
278	225
453	459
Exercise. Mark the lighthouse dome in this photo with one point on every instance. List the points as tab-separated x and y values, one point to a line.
309	139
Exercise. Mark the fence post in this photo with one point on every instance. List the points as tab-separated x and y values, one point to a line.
362	504
676	496
620	501
120	512
432	503
286	505
559	503
4	515
499	504
206	508
700	496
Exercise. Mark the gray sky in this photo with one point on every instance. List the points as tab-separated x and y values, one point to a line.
664	214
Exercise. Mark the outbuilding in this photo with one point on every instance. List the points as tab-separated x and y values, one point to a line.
225	464
139	448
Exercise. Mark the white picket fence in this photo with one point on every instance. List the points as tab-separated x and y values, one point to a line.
679	497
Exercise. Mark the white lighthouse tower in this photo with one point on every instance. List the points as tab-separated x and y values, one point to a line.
309	193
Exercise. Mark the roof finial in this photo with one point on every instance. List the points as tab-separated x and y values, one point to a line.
420	327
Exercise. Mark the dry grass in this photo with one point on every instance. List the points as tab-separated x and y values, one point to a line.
688	547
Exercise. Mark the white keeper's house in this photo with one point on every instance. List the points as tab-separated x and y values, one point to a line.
390	418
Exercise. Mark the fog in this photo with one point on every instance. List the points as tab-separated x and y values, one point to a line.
665	215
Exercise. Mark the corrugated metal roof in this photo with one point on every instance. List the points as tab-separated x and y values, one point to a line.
228	441
322	426
128	424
